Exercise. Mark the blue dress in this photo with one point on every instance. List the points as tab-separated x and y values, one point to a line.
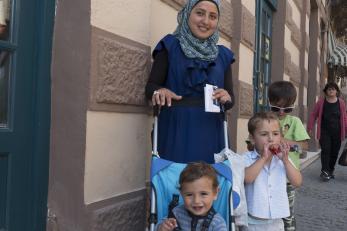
188	133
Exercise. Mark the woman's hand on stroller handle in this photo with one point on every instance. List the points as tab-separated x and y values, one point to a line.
164	96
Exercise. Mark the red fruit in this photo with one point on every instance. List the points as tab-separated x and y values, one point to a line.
274	149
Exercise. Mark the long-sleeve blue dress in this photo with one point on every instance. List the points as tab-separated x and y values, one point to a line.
188	133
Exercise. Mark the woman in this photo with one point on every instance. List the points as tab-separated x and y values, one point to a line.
184	62
330	113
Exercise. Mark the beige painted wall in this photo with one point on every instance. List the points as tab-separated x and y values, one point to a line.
296	15
242	135
250	5
246	64
116	150
297	98
323	2
304	96
290	46
163	21
224	42
110	15
111	137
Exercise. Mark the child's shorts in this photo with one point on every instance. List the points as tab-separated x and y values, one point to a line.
276	225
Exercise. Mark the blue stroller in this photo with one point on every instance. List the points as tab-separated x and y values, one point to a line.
164	179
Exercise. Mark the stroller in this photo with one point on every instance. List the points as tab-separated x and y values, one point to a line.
164	179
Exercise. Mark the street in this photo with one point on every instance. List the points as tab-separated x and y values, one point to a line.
321	205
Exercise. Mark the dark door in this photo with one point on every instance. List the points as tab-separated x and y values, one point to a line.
25	34
262	67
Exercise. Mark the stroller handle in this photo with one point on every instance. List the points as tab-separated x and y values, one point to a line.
156	112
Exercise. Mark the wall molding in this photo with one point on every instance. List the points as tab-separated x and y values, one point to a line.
246	99
295	31
290	68
115	212
119	72
248	28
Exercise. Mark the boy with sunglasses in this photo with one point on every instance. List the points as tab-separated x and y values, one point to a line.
282	96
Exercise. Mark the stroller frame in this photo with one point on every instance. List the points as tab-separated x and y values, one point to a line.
153	209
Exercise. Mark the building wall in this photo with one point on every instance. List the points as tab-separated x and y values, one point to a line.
100	119
101	122
118	121
70	84
245	74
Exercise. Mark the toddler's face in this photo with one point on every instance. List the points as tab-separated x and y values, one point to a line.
267	131
199	195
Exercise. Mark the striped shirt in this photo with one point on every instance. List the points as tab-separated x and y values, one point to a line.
184	219
267	195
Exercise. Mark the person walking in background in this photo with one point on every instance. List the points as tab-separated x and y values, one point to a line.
330	113
267	168
184	62
282	96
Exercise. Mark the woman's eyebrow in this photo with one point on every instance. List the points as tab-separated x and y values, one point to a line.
202	9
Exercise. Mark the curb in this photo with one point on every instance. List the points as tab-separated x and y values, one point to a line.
311	157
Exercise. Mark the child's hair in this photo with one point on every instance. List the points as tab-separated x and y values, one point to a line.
196	170
282	91
258	117
332	85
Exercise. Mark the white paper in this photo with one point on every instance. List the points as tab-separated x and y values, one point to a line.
211	105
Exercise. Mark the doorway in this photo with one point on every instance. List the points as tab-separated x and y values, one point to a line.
25	54
262	57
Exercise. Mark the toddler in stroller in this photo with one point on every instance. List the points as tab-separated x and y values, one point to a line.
198	185
211	183
165	193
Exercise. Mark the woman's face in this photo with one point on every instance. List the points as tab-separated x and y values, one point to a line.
331	92
203	19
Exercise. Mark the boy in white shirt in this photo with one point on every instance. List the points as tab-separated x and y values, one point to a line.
266	173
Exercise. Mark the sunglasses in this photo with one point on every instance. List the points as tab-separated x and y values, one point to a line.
284	109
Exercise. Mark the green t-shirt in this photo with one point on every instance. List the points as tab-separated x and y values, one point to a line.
294	130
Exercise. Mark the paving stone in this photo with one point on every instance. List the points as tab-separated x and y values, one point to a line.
322	205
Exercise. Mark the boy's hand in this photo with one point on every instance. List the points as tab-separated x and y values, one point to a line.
274	149
283	155
266	153
168	225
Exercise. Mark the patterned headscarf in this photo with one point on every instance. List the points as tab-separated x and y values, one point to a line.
192	46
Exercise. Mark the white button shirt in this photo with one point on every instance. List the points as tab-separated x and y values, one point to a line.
267	195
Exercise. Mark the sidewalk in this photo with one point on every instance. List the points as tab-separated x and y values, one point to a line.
309	159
